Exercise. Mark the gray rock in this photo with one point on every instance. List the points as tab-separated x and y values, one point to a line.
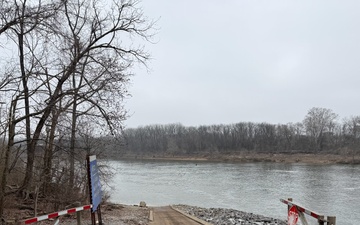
142	204
220	216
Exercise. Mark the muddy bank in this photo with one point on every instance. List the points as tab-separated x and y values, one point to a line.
325	158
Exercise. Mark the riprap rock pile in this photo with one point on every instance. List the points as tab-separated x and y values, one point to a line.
220	216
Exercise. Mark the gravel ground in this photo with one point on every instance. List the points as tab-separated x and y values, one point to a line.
219	216
125	215
117	214
112	214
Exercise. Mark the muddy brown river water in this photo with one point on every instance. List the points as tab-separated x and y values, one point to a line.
333	190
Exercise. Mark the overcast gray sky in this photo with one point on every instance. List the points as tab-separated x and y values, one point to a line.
248	60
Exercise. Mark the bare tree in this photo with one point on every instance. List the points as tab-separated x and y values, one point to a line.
317	122
79	68
351	133
105	50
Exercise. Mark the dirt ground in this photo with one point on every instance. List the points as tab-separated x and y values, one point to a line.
125	214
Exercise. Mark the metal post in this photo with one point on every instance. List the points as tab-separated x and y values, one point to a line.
331	220
93	220
99	215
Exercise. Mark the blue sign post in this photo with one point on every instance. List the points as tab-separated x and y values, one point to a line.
95	188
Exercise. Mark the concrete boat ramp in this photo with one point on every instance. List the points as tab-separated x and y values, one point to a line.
168	215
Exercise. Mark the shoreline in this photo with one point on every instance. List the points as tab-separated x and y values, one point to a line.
122	214
320	159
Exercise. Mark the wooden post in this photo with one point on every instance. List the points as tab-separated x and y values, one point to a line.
321	220
290	200
78	214
17	221
78	218
331	220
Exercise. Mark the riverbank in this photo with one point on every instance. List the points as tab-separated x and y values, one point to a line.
131	215
119	214
325	158
112	214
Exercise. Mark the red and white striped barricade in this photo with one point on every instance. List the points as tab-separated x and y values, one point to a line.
330	220
56	214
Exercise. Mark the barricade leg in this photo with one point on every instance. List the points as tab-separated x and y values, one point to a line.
303	219
57	221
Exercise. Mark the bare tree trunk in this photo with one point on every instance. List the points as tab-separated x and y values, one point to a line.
47	111
7	156
72	144
107	72
30	151
48	155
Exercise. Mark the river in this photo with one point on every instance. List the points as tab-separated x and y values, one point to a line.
332	190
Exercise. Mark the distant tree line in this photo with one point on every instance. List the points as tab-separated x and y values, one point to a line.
320	131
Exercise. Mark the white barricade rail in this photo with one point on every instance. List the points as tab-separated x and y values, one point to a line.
302	209
56	214
331	220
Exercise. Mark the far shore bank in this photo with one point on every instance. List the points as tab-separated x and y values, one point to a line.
325	158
